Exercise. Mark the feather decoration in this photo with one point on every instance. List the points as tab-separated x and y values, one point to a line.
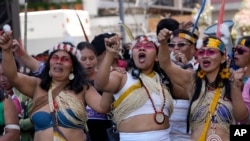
220	19
226	37
83	30
225	33
198	15
129	32
199	43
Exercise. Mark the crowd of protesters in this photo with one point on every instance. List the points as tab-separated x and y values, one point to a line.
171	86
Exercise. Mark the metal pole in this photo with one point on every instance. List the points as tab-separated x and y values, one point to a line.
25	30
121	15
25	24
15	22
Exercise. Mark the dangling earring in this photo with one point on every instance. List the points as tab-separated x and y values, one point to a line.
71	76
201	74
49	73
225	74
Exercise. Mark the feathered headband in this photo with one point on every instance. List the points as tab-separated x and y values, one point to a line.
215	43
143	38
146	38
68	48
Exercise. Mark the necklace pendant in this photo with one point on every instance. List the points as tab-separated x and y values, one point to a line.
159	117
214	137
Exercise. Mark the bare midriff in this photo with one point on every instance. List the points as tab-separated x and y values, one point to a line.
69	133
220	131
142	123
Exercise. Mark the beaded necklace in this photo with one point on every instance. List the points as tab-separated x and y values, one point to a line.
159	116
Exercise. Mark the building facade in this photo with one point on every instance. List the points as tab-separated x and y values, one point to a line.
231	8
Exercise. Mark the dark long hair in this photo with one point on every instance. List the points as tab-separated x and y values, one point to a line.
76	84
219	82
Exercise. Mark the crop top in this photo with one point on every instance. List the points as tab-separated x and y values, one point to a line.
43	120
147	108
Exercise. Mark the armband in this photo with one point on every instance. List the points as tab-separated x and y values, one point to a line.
12	126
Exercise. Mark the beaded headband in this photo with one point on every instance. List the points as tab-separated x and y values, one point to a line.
214	43
244	41
68	48
143	38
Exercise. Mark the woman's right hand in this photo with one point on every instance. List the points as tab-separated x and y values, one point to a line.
6	40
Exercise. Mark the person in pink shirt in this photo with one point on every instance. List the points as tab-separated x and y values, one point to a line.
241	59
246	94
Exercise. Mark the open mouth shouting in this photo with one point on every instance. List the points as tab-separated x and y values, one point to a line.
206	63
142	57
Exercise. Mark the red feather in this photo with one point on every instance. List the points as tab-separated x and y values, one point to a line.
220	18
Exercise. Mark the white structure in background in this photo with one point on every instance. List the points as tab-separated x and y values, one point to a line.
137	21
111	24
47	28
91	6
231	8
